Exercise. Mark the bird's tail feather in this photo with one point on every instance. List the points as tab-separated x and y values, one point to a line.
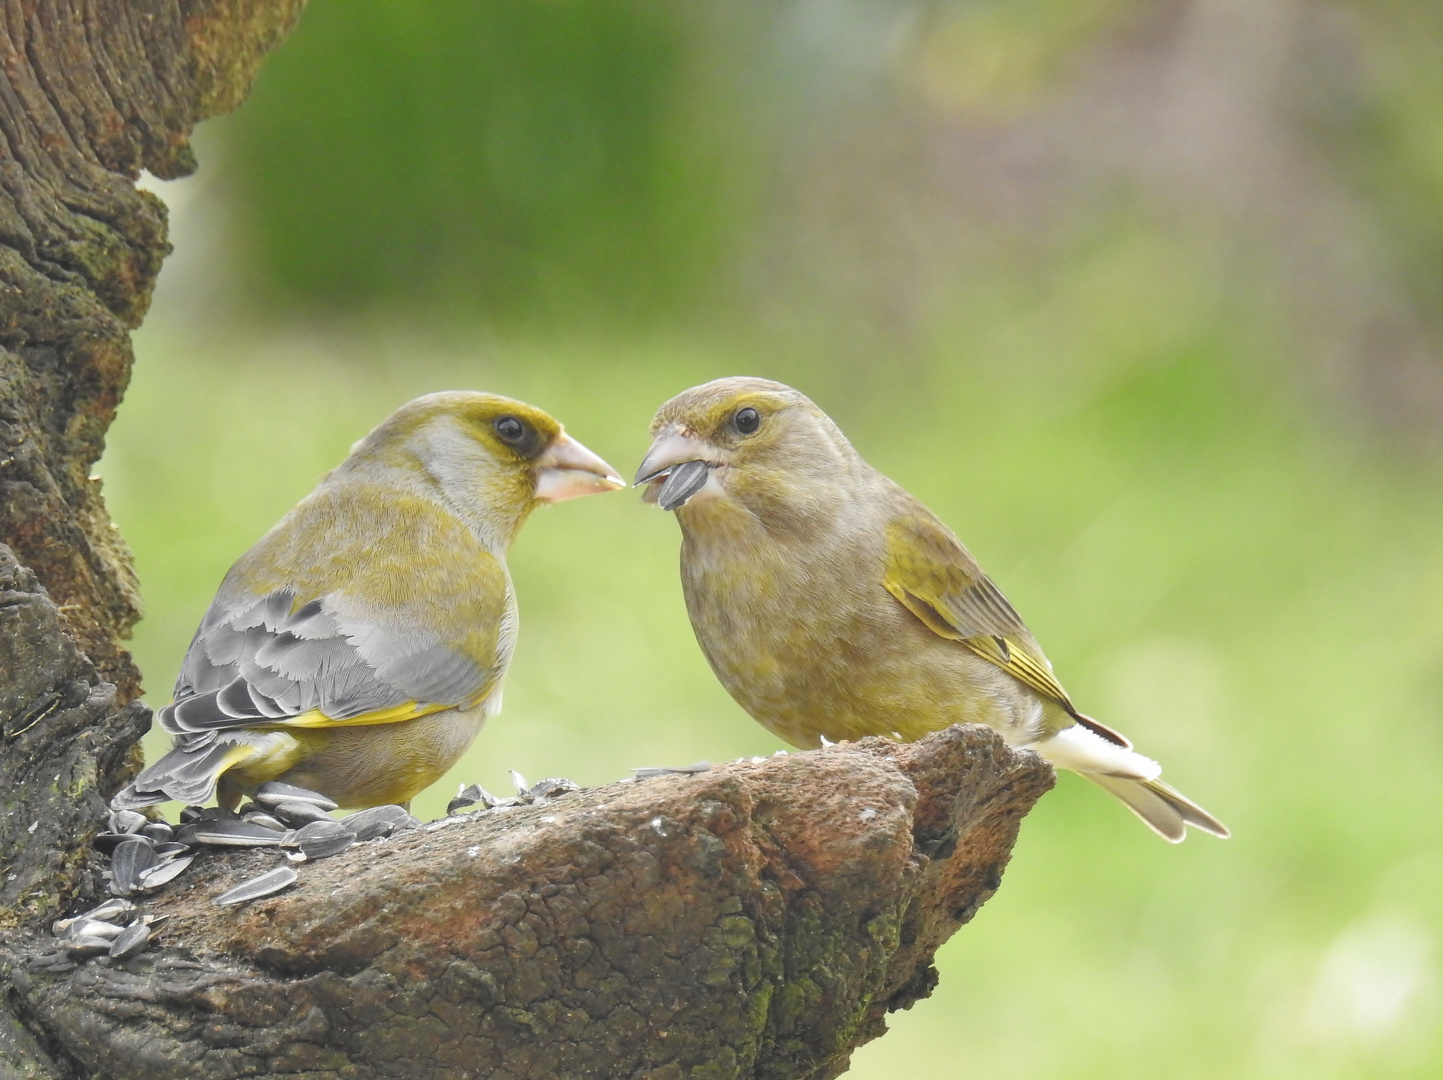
184	775
1164	809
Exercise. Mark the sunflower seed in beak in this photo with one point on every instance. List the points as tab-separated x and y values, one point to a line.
681	483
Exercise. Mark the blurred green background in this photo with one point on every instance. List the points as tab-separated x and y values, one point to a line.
1142	297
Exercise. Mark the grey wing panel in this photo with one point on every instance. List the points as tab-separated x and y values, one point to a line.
260	661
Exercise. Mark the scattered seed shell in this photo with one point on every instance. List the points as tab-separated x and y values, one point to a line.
93	928
296	813
273	792
127	821
158	831
131	942
520	783
552	787
689	770
378	821
170	850
127	862
165	872
110	909
89	945
234	833
321	839
260	817
267	884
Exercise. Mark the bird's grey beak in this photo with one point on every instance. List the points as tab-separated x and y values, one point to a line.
677	466
567	470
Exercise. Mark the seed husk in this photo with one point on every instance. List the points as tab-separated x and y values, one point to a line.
89	945
274	791
127	821
92	928
689	770
131	942
267	884
165	872
127	862
378	821
297	813
552	787
233	833
321	839
260	817
158	831
104	912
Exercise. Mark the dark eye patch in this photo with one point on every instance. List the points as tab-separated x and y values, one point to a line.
519	435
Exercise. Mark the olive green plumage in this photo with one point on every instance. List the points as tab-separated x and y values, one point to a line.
359	646
832	604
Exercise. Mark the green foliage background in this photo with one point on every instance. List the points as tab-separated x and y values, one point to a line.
563	202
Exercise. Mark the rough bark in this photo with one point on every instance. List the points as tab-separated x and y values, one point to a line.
756	920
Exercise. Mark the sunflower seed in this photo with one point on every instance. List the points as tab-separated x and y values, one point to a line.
165	872
158	831
260	817
127	821
273	792
89	945
127	862
92	928
267	884
689	770
681	483
170	850
378	821
107	842
296	813
470	796
223	833
131	942
103	912
552	787
320	839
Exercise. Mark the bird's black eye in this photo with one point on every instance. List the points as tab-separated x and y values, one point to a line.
510	429
747	420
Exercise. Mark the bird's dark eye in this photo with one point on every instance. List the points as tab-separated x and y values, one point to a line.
747	420
510	429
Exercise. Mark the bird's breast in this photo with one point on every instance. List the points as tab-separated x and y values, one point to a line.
810	643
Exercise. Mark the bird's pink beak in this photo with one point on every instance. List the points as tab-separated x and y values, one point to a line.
567	470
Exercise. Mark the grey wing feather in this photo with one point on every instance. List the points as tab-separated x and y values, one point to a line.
259	661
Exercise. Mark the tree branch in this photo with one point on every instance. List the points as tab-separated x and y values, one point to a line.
758	920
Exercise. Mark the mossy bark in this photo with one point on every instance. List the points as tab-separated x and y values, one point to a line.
756	920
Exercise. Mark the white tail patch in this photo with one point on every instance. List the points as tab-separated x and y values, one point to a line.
1085	751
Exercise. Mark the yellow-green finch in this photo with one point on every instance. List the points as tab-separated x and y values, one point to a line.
359	646
832	604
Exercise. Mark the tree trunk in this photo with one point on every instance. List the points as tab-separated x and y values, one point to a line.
757	919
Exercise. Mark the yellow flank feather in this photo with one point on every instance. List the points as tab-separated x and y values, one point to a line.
317	719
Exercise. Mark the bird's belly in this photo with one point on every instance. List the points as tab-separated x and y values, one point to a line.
387	763
810	671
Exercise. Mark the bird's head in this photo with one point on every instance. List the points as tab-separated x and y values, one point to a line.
744	443
493	458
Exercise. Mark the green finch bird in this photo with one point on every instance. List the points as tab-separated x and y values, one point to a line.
359	646
832	604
